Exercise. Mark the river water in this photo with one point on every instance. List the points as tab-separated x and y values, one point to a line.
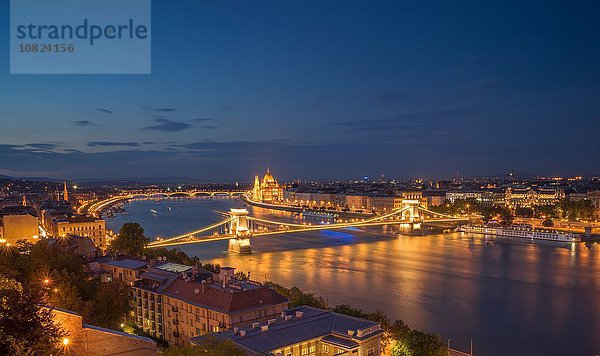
511	297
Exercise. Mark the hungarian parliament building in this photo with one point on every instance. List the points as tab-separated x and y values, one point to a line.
268	190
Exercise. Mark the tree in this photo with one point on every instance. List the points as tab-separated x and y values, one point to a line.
173	255
25	329
297	297
548	223
130	240
111	305
209	346
418	343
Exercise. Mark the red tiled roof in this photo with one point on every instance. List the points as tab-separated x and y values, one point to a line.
226	301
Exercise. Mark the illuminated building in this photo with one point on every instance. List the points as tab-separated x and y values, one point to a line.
65	192
86	226
307	331
268	190
527	197
18	226
178	302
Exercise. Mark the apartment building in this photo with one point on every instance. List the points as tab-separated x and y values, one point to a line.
176	303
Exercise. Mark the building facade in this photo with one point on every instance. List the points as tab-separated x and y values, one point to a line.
307	331
14	227
86	226
268	190
177	305
528	197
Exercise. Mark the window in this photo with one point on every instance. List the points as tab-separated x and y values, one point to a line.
326	348
371	351
311	349
304	351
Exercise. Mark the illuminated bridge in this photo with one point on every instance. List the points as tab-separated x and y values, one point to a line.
239	228
95	207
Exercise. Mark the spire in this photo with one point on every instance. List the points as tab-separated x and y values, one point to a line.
65	192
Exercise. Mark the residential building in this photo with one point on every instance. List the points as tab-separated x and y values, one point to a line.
307	331
124	270
179	304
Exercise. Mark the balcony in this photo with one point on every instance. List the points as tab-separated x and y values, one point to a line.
176	334
175	309
175	322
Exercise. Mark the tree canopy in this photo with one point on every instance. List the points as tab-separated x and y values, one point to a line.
25	329
210	346
130	240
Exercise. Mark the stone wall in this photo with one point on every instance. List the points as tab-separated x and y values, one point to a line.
88	340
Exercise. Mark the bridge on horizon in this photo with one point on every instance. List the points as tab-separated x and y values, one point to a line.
96	207
239	228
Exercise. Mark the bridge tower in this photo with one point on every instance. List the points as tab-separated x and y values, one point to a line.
412	213
239	227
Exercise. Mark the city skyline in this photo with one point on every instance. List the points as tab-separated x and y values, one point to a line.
335	92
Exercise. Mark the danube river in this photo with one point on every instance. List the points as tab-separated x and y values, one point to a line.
512	297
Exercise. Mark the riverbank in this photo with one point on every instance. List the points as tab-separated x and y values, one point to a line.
297	209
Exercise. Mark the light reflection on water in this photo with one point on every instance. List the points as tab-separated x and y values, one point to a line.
512	297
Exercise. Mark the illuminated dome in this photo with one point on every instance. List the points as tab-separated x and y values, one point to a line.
268	179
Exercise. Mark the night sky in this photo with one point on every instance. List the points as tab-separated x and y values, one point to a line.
323	90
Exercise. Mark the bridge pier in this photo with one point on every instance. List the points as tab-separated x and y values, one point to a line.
239	226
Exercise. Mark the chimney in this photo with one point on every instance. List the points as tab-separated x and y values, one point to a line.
299	314
255	325
235	330
242	333
271	321
264	328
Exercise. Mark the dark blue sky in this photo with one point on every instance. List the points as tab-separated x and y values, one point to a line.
323	89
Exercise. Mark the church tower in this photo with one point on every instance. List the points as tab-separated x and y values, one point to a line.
256	194
65	192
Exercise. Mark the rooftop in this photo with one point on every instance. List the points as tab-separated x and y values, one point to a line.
231	299
300	324
127	263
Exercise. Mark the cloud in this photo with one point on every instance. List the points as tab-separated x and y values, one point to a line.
84	123
43	146
167	125
106	111
390	96
239	146
164	109
112	144
202	119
